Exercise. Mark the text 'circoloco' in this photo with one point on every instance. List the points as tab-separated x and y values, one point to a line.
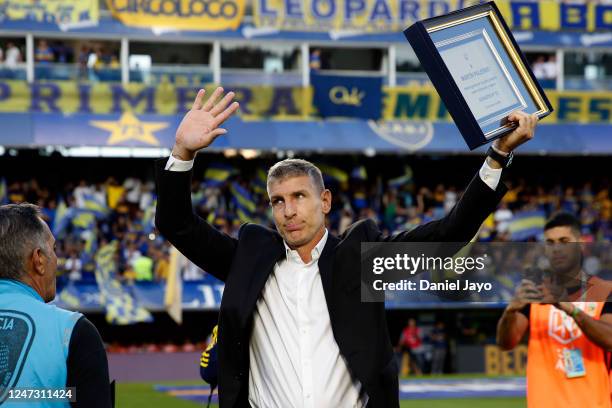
193	8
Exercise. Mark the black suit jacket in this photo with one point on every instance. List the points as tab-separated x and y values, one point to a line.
244	264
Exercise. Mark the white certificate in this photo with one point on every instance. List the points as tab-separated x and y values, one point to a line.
481	76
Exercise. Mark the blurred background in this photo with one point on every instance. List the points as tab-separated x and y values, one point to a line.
92	91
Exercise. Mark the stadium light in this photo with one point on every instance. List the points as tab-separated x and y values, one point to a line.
249	153
82	151
230	153
114	151
149	152
369	152
2	150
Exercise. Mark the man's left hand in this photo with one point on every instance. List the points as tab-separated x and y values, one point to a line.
523	133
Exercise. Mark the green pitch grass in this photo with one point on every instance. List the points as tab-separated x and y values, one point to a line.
142	395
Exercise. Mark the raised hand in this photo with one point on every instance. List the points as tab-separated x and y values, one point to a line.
200	126
523	133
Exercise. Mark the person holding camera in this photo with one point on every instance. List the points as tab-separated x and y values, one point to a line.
568	340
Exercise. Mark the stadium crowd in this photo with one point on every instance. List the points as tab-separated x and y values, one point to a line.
86	215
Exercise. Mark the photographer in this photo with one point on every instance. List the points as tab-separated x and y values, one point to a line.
567	340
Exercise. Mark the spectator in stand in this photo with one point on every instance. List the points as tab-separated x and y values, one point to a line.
162	265
143	267
315	60
125	221
410	342
63	54
92	61
538	67
440	344
73	265
131	253
82	61
44	53
43	57
12	56
551	68
502	218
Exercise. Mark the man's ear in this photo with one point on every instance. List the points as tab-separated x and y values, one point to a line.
326	200
38	261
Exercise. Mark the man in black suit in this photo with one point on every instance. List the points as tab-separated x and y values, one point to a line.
292	328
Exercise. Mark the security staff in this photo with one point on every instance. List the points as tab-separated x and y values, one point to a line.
44	350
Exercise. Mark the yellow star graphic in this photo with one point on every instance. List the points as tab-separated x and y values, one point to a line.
130	128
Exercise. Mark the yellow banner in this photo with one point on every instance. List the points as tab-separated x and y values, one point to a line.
424	103
550	15
165	99
396	15
197	15
499	362
61	12
256	102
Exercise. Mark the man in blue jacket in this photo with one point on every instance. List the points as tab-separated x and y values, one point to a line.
42	347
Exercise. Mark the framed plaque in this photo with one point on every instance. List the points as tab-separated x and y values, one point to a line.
479	71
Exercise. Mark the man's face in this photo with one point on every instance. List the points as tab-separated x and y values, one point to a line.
563	248
298	208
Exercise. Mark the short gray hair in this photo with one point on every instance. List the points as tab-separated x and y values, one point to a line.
21	231
296	168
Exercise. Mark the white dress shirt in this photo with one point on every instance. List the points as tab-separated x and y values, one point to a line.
294	359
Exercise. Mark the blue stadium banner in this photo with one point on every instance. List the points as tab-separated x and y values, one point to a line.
87	296
344	96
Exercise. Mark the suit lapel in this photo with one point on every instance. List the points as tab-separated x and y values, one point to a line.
268	256
326	266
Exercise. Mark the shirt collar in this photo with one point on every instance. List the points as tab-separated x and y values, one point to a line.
315	253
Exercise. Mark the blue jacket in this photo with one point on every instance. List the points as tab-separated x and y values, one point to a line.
34	341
